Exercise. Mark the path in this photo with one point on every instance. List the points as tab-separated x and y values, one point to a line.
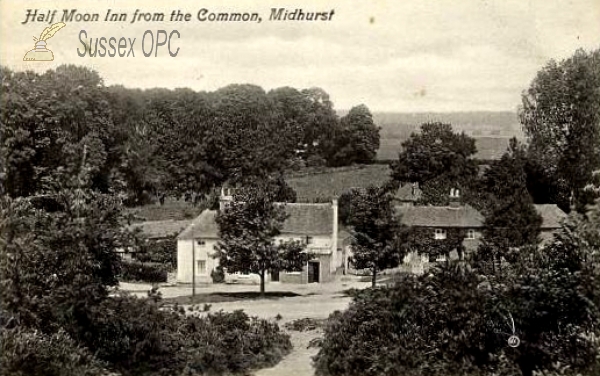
318	301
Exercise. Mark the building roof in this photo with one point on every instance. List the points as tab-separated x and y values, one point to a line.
303	219
203	226
551	214
441	216
160	229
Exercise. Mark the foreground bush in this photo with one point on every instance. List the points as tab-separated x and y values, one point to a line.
31	353
137	271
457	322
142	337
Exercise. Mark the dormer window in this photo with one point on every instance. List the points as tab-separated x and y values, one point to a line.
454	193
439	234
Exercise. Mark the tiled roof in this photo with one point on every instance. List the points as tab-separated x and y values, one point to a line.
551	214
440	216
203	226
308	219
303	219
160	229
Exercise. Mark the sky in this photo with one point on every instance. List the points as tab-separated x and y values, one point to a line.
401	56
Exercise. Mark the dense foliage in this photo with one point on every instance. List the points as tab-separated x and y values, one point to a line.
138	271
375	228
163	251
438	160
152	143
511	220
561	118
57	309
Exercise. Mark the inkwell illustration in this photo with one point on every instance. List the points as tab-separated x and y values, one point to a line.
40	52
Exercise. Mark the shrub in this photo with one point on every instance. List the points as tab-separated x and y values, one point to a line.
32	353
159	251
137	271
218	275
454	321
143	337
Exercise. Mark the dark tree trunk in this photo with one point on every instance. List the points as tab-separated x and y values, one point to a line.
262	283
374	277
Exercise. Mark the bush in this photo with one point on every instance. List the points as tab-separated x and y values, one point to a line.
159	251
218	275
234	343
31	353
137	271
455	321
143	337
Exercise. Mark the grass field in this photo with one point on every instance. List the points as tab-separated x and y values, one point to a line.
323	187
316	186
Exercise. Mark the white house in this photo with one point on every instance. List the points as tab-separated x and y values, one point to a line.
314	224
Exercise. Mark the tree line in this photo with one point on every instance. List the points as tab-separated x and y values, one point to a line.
167	142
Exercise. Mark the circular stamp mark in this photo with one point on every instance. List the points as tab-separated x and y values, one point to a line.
514	341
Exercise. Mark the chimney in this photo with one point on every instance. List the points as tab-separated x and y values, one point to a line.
454	197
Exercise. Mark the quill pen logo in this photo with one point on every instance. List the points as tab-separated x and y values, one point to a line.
40	52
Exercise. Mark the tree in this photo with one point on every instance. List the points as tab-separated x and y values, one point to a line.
356	138
561	117
376	230
511	221
437	159
247	231
48	120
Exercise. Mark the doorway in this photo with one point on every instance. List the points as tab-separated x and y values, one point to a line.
274	275
313	271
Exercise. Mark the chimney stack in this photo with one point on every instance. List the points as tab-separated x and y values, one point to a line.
454	197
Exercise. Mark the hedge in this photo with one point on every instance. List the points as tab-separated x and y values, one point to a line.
137	271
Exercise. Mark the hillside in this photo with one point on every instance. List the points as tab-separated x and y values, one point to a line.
491	130
324	186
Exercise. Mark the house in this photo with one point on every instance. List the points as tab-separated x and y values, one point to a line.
440	220
314	224
154	230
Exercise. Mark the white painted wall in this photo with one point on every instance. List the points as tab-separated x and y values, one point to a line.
203	252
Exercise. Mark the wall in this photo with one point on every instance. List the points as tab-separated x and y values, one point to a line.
204	252
327	268
184	260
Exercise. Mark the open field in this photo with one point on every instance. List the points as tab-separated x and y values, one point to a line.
323	187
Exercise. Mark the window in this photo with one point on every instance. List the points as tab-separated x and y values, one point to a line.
200	266
200	243
440	234
454	192
470	234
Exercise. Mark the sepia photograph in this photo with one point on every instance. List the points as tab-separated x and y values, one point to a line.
306	188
